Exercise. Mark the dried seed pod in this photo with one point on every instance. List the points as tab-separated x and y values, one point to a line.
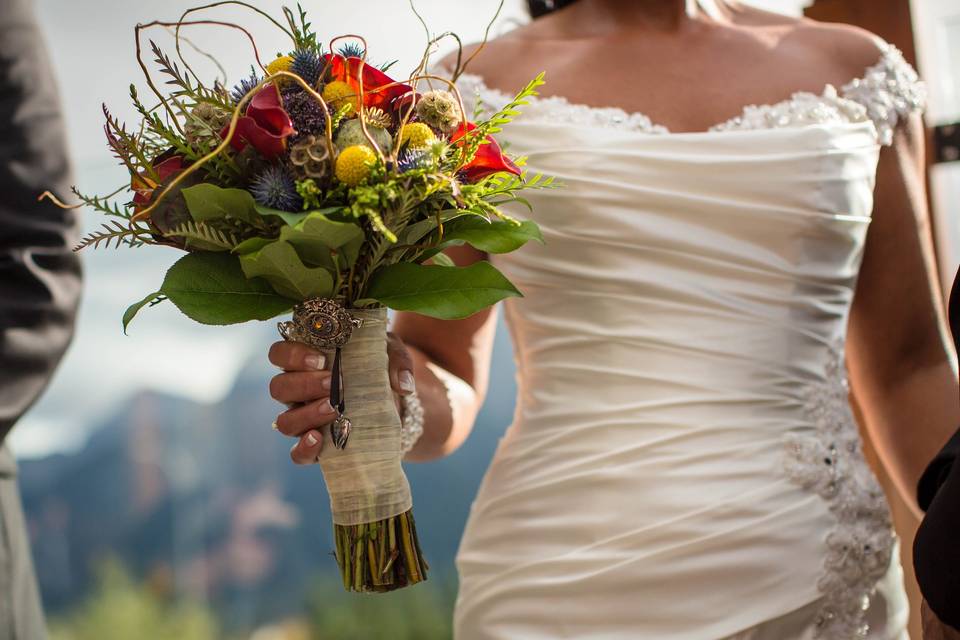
310	158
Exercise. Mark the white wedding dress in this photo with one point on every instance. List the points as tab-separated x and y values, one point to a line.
683	461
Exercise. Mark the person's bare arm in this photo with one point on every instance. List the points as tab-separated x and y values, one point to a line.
902	367
451	365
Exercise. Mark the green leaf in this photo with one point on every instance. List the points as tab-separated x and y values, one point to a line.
132	310
210	202
447	293
289	217
498	236
443	260
279	264
316	236
252	244
211	289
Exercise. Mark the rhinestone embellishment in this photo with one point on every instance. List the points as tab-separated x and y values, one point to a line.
829	461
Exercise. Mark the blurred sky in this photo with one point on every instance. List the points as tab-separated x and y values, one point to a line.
92	49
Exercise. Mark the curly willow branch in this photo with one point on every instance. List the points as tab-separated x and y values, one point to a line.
425	58
486	36
230	133
49	195
246	5
205	54
146	72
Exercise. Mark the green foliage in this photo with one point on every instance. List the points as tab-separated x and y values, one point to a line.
317	240
184	86
116	234
303	35
310	192
211	288
150	299
494	124
288	217
447	293
103	204
279	264
203	237
119	609
498	236
209	202
420	612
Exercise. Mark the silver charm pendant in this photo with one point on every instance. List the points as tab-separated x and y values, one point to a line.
340	431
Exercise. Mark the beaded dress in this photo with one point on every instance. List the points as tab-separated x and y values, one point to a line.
683	462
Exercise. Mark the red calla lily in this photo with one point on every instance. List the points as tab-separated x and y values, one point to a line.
489	158
376	93
265	124
143	186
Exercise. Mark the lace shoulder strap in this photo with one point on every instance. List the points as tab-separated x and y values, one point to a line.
889	90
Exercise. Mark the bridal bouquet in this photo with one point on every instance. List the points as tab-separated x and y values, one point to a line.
320	184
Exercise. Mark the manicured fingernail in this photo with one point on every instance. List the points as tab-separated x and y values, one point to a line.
315	360
325	383
311	438
326	408
406	382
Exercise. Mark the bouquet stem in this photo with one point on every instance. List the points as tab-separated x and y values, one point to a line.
380	556
376	538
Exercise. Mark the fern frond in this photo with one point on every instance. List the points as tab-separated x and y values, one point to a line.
125	145
181	80
509	111
103	204
205	233
170	68
116	234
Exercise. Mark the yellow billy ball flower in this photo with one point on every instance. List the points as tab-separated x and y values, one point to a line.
339	93
416	135
354	164
280	63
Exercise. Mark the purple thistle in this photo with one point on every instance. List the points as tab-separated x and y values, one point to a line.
306	64
413	159
305	112
351	50
245	86
275	188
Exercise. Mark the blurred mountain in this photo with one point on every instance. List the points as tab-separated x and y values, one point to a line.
202	500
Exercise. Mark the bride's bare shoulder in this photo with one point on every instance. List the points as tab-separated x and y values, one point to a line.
489	58
842	50
832	52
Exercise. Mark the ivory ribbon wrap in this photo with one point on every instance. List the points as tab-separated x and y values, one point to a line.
365	480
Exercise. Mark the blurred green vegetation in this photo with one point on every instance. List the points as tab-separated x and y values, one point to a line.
421	612
122	608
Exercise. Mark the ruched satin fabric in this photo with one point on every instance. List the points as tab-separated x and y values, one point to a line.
686	297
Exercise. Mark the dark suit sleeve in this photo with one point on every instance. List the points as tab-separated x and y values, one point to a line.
39	273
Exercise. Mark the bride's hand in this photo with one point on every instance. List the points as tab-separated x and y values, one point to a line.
304	386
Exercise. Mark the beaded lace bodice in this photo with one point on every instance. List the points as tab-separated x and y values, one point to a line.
887	92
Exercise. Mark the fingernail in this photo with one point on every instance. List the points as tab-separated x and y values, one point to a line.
315	360
406	382
326	408
311	439
325	383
